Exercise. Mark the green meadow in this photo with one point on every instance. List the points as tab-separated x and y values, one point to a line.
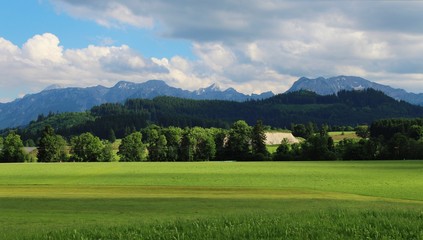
212	200
338	136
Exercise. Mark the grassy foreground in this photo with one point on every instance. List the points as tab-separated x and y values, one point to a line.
209	200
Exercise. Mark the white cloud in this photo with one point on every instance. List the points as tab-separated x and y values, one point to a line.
215	56
7	49
43	49
291	38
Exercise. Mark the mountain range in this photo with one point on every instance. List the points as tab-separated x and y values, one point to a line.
328	86
55	99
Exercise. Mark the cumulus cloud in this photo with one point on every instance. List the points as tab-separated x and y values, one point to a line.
43	48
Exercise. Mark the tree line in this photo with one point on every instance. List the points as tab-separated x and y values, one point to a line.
383	139
388	139
153	143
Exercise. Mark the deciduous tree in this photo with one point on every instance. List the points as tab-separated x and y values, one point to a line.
52	147
239	140
87	148
132	149
173	138
12	149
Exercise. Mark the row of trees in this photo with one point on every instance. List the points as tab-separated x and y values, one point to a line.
399	139
154	143
383	140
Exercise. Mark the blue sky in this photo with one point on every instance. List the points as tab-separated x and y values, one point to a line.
26	18
251	45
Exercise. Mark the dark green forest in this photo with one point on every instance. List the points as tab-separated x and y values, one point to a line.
347	108
175	129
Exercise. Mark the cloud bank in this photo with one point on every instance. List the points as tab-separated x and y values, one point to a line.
381	40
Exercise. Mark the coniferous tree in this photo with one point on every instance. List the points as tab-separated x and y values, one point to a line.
112	136
258	142
30	143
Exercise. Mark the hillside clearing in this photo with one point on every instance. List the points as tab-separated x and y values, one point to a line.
275	138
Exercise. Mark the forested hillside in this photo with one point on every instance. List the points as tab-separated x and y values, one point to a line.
347	108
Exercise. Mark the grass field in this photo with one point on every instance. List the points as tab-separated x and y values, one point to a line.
338	136
272	148
212	200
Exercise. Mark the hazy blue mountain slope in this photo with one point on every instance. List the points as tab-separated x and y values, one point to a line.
54	99
327	86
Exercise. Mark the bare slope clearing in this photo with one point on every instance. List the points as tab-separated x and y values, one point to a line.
274	138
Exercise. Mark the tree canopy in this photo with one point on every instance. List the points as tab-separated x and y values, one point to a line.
132	149
12	149
52	147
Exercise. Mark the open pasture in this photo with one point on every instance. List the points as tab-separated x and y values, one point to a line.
338	136
87	199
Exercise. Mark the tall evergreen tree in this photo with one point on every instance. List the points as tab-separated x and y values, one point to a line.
258	142
112	136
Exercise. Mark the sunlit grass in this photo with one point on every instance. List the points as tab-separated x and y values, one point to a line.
338	136
88	198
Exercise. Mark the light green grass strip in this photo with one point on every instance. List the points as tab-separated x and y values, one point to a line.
116	192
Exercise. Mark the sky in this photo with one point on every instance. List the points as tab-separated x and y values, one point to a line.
250	45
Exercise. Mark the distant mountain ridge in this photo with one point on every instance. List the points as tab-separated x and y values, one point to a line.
327	86
56	99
